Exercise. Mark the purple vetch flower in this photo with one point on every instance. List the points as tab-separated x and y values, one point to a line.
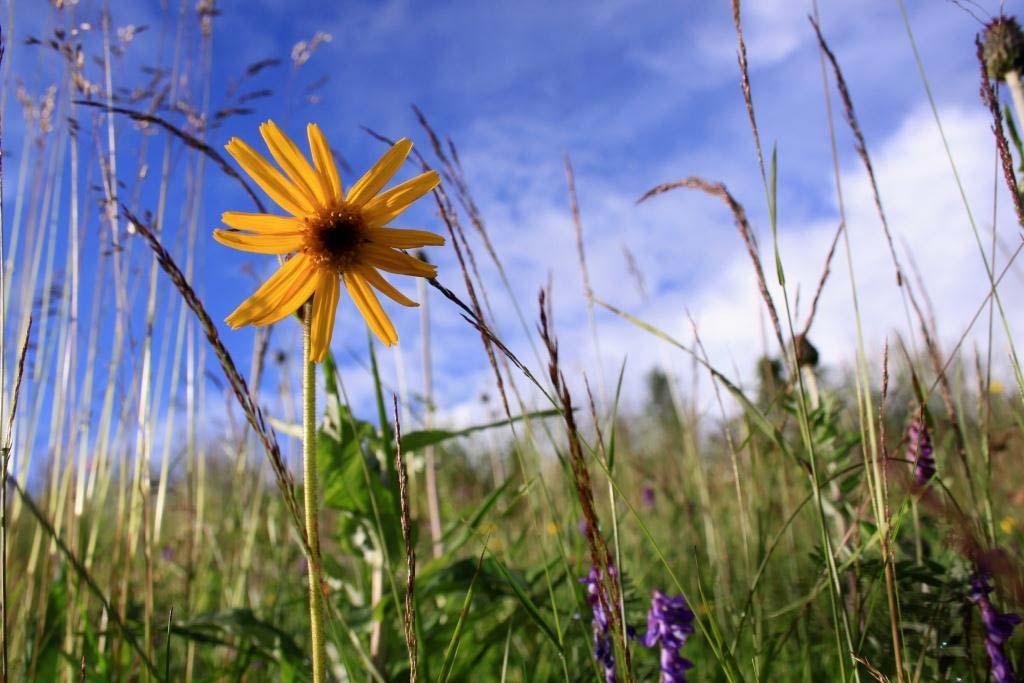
593	583
919	450
604	651
583	527
669	624
998	629
647	495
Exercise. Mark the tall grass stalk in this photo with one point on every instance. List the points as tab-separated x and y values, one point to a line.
863	383
5	450
429	463
165	182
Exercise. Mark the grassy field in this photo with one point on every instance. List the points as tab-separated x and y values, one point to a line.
164	486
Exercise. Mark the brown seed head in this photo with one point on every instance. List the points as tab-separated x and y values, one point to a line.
806	352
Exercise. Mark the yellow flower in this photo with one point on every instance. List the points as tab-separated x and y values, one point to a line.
1008	524
333	237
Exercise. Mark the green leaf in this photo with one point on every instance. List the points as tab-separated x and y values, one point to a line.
387	437
339	446
353	481
414	441
43	645
528	604
451	547
453	644
267	641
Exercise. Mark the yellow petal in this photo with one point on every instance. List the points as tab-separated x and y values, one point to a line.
367	303
277	187
259	244
377	177
401	238
384	287
396	262
325	305
263	223
386	206
286	153
271	291
293	298
325	166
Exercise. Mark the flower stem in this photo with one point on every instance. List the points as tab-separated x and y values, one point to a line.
309	485
1016	93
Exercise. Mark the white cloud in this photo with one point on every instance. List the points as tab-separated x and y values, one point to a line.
680	79
678	238
928	222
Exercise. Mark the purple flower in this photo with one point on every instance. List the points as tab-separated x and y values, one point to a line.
669	624
648	496
919	450
604	652
998	628
583	527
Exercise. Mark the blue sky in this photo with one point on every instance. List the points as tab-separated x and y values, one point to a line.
637	93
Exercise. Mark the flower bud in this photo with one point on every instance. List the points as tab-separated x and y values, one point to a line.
1004	47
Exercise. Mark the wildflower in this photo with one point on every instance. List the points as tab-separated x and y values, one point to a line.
669	624
648	497
583	527
998	629
919	450
1008	524
604	652
334	237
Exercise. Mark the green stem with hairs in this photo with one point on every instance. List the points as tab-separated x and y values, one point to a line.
309	486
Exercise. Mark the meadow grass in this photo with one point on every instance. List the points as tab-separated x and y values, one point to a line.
859	525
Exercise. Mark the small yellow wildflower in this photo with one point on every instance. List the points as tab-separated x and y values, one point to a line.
1008	524
333	237
995	387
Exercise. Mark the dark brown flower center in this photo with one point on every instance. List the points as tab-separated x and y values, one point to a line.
333	239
